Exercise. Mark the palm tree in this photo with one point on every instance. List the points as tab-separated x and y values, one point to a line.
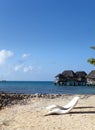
92	60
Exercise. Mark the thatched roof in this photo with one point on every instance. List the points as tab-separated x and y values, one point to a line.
91	75
59	75
68	73
81	74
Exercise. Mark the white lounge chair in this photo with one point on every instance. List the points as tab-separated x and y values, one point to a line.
56	109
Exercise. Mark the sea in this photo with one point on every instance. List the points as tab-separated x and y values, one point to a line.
43	87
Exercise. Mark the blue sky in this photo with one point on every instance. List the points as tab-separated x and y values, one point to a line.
41	38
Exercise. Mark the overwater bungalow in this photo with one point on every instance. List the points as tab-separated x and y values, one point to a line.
91	78
67	77
60	79
81	78
70	78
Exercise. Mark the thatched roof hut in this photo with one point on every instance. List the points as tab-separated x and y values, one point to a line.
91	75
68	74
81	74
91	78
60	77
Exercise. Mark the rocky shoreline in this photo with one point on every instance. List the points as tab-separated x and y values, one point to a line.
8	99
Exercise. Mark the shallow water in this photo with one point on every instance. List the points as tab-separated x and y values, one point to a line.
42	87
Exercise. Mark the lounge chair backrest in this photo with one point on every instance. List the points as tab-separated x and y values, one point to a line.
72	102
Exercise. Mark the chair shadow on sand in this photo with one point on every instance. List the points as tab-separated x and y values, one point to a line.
83	112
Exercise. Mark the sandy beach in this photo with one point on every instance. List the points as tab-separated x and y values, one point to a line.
31	116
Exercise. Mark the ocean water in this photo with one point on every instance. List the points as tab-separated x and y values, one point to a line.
43	87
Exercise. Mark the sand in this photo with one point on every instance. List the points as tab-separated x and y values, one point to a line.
31	116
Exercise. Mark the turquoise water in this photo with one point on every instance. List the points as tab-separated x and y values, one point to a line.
43	87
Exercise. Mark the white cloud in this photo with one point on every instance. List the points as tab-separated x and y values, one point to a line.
4	55
18	67
25	56
27	68
23	68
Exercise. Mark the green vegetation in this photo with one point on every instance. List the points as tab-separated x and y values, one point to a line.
92	60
